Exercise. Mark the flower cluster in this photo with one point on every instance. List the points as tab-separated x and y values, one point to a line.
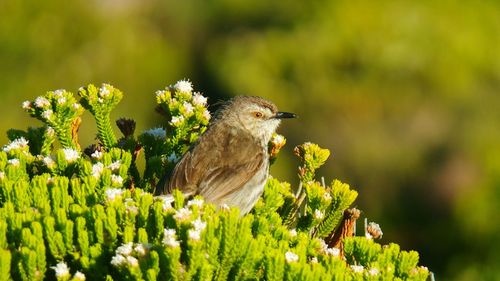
58	110
113	193
71	155
198	227
170	238
62	272
128	254
17	144
291	257
110	168
187	117
158	133
100	102
105	96
275	145
185	108
324	249
58	101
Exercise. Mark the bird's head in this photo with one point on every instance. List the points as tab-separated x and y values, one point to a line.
256	115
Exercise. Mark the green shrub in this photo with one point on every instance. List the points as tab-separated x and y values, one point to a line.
71	214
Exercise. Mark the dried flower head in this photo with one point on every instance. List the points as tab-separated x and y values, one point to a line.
373	231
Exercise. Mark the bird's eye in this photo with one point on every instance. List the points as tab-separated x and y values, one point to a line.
257	114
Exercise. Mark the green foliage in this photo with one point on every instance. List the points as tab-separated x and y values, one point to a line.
67	216
100	102
59	111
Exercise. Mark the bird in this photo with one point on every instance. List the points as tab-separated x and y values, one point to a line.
229	163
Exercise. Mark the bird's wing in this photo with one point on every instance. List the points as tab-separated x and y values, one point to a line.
218	165
221	181
179	177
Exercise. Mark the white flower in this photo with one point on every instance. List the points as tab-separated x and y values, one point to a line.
16	144
26	104
160	94
50	131
206	114
116	179
188	108
112	193
47	114
61	270
278	140
132	261
199	100
125	249
184	86
61	100
291	257
169	238
194	234
199	225
13	162
373	271
41	102
328	251
118	260
323	245
195	202
132	209
327	196
158	133
167	201
141	249
177	121
70	155
314	260
100	100
173	158
293	232
335	252
182	214
97	169
96	155
59	93
357	268
318	214
76	106
115	166
79	276
2	175
48	161
105	90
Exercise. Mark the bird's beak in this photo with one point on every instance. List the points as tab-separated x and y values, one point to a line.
283	115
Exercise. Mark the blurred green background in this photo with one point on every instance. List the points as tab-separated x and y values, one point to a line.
405	94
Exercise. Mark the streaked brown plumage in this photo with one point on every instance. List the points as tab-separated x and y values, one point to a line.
229	163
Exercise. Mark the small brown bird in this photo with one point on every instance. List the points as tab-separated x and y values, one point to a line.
229	164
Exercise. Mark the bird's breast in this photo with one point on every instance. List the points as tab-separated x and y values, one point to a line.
246	197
